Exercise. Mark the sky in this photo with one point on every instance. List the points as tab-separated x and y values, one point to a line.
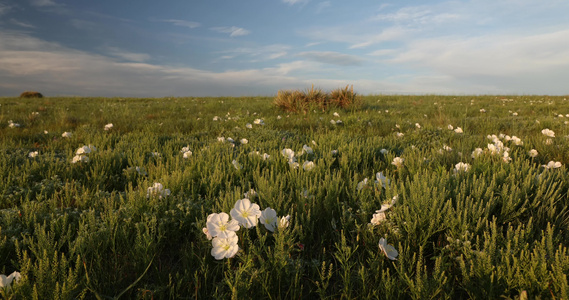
196	48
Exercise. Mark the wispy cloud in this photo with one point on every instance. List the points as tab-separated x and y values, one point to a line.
333	58
259	53
182	23
233	31
293	2
22	23
4	8
44	3
126	55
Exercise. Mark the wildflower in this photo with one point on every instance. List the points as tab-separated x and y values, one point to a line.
108	126
506	157
548	132
220	139
156	154
187	154
216	118
380	178
229	139
157	190
206	232
338	122
461	167
333	122
450	127
548	141
447	148
552	165
6	281
482	110
33	154
334	152
517	141
289	154
294	164
224	247
458	130
66	134
265	156
388	250
248	125
307	149
219	225
244	141
399	134
398	161
259	122
476	152
377	218
80	158
11	124
284	221
383	151
251	194
336	114
83	150
236	164
269	219
246	213
514	114
279	117
362	184
418	125
533	153
308	165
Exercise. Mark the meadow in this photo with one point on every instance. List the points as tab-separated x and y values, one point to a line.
404	197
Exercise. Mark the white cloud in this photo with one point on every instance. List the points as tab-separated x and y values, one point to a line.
330	57
44	3
126	55
4	8
293	2
258	53
233	31
21	23
182	23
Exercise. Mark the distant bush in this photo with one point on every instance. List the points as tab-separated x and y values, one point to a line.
31	94
314	98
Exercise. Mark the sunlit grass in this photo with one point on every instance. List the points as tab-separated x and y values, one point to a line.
464	223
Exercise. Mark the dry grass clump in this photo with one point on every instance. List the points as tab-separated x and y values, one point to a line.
314	98
31	94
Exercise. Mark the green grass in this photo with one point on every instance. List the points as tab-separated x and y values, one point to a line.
88	230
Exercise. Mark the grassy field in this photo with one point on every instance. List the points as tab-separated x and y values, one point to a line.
91	222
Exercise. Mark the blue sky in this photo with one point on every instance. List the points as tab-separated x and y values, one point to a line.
248	48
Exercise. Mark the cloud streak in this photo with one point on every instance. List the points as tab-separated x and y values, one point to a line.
233	31
181	23
334	58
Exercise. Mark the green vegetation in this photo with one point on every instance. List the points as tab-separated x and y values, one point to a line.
305	101
493	227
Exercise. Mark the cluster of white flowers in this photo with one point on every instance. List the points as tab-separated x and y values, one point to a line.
6	281
291	156
259	122
498	147
553	165
33	154
186	151
11	124
548	132
398	161
380	179
335	122
264	156
461	167
157	190
379	215
81	154
108	127
222	231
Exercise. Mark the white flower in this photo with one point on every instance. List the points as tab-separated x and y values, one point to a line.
548	132
248	125
206	232
108	126
293	164
533	153
259	122
284	221
187	154
80	158
216	118
11	124
244	141
477	152
362	184
246	213
388	250
265	156
33	154
506	157
156	154
220	139
399	134
333	122
514	114
157	190
461	167
548	141
334	152
83	150
336	114
66	134
236	164
308	165
383	151
224	247
458	130
288	154
398	161
482	110
219	225
338	122
516	140
380	178
279	117
377	218
251	194
307	149
450	127
447	148
6	281
269	219
553	165
229	139
418	125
